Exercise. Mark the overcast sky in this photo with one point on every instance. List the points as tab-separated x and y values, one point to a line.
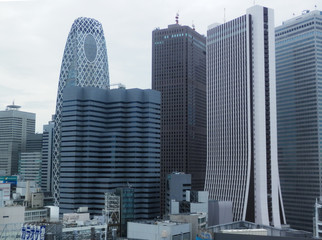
34	32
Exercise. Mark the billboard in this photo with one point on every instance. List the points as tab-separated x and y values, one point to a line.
9	179
33	232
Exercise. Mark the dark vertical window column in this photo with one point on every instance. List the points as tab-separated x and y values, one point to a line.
267	113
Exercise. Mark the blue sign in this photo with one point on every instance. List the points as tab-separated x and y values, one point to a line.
9	179
33	232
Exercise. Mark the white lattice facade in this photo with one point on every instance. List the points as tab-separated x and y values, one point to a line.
242	146
84	64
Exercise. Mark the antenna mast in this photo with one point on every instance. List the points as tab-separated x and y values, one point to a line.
177	18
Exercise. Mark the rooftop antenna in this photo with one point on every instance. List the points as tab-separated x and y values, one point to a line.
224	15
193	26
13	106
177	18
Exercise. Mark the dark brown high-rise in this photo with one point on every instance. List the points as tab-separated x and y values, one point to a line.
179	73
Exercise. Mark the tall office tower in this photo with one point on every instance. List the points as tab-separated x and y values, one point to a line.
47	159
29	167
84	64
242	164
299	115
179	73
110	139
15	125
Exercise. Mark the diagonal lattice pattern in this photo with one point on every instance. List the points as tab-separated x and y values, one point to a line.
84	64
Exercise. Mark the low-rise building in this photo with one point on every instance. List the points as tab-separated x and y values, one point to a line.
198	221
12	214
155	230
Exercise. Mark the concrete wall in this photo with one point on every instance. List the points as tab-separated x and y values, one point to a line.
156	231
14	214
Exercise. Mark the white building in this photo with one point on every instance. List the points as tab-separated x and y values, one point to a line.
242	136
158	230
12	214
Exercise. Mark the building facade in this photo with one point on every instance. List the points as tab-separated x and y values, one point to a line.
152	230
299	115
84	64
15	125
177	185
242	162
47	157
179	73
110	139
30	160
30	166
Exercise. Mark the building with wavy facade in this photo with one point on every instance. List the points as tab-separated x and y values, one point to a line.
110	139
242	164
84	64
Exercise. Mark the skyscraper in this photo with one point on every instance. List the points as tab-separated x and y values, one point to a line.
47	149
84	64
299	115
242	164
15	126
179	73
30	159
110	139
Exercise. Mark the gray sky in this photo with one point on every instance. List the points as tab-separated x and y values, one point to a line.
34	32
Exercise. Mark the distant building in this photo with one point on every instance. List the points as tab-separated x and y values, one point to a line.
119	210
242	162
30	166
110	139
84	64
179	73
194	202
15	125
126	208
299	115
177	185
31	159
47	162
